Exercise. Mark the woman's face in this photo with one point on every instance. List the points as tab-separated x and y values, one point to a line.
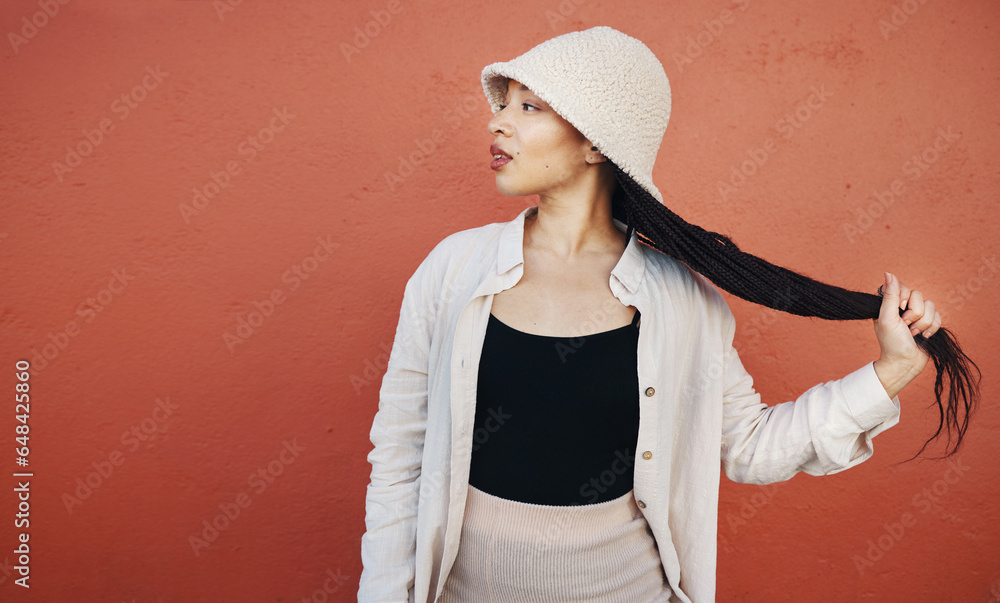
548	154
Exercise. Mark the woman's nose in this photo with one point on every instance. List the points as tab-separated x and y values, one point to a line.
498	124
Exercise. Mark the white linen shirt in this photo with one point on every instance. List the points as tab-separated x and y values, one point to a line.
697	405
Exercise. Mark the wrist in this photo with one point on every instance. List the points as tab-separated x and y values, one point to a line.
893	376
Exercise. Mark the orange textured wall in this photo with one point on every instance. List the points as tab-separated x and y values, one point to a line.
209	211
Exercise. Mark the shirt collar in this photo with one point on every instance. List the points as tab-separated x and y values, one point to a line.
628	270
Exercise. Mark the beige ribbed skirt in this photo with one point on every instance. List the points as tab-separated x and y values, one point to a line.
517	552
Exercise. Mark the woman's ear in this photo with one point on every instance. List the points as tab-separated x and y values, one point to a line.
595	156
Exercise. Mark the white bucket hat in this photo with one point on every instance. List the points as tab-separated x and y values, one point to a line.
607	84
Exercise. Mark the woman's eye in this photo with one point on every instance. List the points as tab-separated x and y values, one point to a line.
502	107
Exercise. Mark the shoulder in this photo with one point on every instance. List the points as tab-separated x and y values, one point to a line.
471	243
685	287
679	278
472	247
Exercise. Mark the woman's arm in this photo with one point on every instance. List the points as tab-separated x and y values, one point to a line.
827	429
388	547
830	427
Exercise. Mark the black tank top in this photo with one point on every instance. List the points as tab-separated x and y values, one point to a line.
557	418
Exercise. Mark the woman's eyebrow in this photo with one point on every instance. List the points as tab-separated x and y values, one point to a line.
522	88
528	90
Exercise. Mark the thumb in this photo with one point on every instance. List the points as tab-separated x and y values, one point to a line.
890	300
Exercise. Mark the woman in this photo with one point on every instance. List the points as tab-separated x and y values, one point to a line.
558	394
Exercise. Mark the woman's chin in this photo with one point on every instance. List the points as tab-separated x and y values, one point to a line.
514	191
507	192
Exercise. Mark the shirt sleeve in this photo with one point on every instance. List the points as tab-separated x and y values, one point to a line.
827	429
388	546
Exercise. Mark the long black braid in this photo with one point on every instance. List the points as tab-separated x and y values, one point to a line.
716	257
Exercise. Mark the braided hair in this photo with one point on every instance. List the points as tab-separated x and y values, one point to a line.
716	257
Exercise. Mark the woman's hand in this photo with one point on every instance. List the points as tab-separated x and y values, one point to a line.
901	358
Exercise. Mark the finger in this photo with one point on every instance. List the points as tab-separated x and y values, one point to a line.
924	321
890	300
935	325
904	294
915	309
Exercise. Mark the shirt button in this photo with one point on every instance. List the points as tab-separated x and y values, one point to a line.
650	391
647	455
640	504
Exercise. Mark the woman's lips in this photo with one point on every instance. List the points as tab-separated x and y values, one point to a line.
496	164
499	162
